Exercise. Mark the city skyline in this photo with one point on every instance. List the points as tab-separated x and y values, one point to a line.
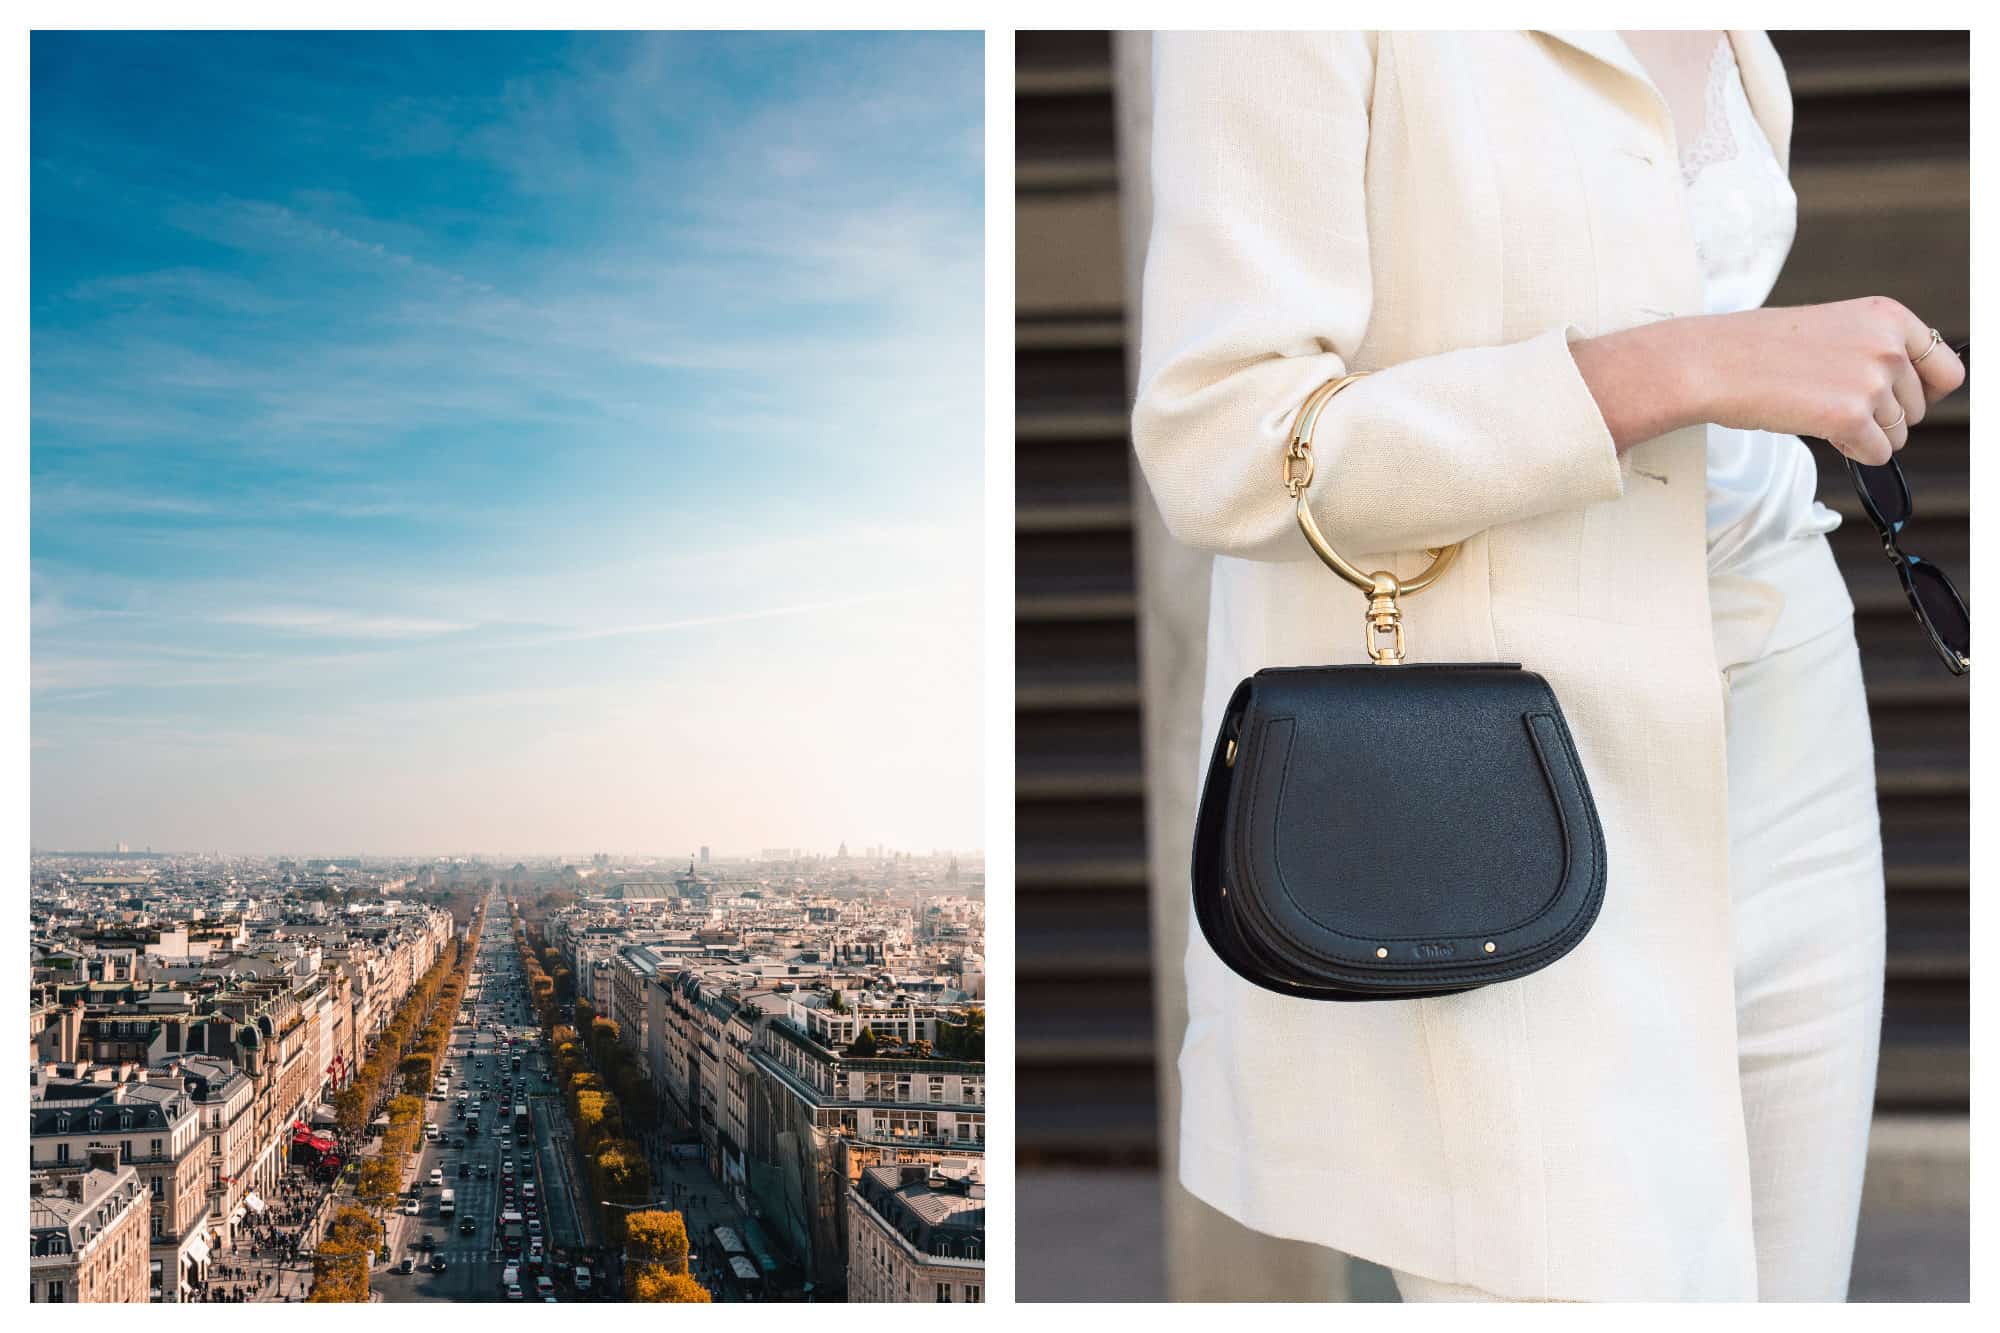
510	441
485	853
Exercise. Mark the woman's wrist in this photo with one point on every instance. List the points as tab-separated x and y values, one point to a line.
1654	378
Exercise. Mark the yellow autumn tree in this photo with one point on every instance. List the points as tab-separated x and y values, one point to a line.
658	1238
657	1286
340	1262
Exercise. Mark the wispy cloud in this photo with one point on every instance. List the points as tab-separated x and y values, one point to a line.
340	624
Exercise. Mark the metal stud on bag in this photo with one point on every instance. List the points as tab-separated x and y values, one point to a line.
1382	626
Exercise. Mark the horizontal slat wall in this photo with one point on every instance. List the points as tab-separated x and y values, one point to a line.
1880	167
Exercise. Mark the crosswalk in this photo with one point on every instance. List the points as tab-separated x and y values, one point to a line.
461	1254
466	1253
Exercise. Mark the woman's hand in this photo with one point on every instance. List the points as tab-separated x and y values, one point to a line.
1842	371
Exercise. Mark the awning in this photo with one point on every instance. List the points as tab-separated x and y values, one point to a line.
256	1204
745	1270
237	1216
324	1115
754	1236
197	1250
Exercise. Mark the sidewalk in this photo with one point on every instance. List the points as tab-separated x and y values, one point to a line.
702	1202
298	1209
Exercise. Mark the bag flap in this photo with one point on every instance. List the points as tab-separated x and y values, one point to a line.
1424	822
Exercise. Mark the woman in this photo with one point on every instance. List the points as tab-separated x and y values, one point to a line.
1551	253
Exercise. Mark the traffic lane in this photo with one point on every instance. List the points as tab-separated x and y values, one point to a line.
471	1263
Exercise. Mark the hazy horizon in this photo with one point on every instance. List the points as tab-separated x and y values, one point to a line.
494	854
505	440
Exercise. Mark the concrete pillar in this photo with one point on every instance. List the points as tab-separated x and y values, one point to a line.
1209	1257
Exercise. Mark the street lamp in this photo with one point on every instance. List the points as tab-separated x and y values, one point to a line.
624	1254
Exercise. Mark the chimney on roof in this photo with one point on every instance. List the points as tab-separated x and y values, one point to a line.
74	1188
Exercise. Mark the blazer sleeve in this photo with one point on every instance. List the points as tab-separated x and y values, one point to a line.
1258	288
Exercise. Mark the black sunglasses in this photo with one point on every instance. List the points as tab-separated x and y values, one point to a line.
1885	496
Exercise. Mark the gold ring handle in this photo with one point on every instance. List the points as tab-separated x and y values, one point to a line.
1382	631
1441	558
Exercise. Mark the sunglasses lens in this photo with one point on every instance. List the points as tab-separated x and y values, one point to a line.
1941	604
1886	490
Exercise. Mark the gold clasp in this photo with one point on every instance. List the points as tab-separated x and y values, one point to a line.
1382	631
1298	451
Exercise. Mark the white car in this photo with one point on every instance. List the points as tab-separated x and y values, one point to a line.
437	1176
514	1292
411	1208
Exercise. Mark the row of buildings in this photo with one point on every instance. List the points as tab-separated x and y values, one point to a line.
179	1025
820	1035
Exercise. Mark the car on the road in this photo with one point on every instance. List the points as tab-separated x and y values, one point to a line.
436	1177
544	1288
467	1227
534	1226
528	1188
427	1242
464	1170
437	1263
514	1292
408	1265
484	1170
411	1207
510	1276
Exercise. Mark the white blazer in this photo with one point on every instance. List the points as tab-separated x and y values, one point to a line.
1450	210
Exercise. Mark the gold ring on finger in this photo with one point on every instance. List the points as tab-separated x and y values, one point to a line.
1930	347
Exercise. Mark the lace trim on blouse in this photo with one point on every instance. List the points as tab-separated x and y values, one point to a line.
1716	142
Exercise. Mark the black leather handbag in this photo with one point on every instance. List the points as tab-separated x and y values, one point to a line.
1392	830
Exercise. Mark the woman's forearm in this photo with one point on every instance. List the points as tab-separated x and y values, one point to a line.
1647	380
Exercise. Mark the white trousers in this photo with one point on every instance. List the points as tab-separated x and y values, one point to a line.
1805	853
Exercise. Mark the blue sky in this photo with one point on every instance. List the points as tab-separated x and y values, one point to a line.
508	442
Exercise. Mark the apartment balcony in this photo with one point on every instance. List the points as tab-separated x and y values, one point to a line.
934	1143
